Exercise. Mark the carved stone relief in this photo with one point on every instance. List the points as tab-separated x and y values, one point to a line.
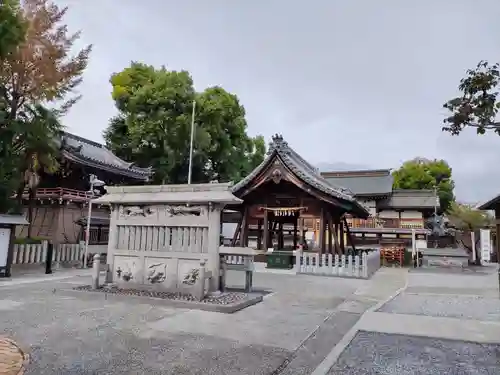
134	211
157	273
184	210
191	277
125	274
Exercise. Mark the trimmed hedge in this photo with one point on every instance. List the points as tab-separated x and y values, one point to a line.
29	241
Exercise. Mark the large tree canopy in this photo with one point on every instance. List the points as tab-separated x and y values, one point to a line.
38	72
422	174
12	31
12	27
153	127
477	106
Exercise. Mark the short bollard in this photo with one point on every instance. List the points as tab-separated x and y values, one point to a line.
109	274
95	271
200	285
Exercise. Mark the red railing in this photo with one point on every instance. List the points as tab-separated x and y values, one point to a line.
382	223
385	223
59	193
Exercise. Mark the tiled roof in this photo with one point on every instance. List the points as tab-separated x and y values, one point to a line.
363	182
492	204
84	151
303	170
411	199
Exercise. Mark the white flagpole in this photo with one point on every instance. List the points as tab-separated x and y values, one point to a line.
191	144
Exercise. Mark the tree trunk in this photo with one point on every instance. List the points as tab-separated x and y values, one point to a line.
19	195
31	207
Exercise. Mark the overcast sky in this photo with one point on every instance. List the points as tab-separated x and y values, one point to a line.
358	83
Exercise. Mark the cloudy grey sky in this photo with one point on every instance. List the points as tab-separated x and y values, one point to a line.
360	82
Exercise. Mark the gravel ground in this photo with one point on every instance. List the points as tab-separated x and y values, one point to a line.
384	354
451	306
87	334
222	299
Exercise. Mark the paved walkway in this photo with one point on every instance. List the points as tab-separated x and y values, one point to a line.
440	323
398	322
290	332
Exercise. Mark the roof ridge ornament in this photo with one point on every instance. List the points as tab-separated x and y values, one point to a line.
278	144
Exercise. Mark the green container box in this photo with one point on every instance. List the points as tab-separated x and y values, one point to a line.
280	259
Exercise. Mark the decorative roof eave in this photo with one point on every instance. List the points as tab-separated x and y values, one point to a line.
143	174
219	193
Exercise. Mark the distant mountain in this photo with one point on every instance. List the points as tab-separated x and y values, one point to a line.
341	166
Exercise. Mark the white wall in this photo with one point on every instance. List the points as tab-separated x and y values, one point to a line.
411	215
388	214
370	204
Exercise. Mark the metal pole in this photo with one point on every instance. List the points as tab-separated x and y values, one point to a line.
191	144
89	214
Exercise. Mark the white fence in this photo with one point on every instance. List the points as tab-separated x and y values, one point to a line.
37	253
362	267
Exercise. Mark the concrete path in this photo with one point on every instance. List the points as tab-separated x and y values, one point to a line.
438	323
290	332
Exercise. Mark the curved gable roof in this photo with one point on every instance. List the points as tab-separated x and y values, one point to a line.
303	170
85	151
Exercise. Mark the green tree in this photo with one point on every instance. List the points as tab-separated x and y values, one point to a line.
12	32
39	72
12	27
477	106
466	220
422	174
153	127
37	147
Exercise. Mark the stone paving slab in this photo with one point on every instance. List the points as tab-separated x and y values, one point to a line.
452	306
317	347
382	353
72	335
429	326
463	291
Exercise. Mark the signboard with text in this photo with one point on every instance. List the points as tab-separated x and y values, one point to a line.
485	237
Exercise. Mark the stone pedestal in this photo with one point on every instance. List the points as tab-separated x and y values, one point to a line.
445	257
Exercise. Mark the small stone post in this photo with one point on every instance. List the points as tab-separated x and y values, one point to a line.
96	268
298	259
109	274
199	293
248	262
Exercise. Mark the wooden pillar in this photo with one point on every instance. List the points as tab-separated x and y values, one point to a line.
330	234
497	236
259	234
336	238
341	234
237	231
265	235
244	228
351	239
279	231
295	222
322	231
301	231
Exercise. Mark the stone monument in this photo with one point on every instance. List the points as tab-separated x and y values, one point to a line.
160	236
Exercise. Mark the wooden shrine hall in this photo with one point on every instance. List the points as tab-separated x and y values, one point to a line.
286	194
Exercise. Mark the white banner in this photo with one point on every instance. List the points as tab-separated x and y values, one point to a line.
4	245
485	237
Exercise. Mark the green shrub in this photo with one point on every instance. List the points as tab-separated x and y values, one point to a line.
29	241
